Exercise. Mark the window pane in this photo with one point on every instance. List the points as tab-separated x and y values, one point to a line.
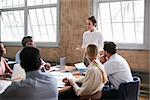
121	22
127	11
53	34
129	33
139	32
118	32
42	20
11	3
104	15
103	20
40	2
42	24
107	31
115	12
139	10
36	33
12	26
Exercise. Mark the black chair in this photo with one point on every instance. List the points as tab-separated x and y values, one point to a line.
130	90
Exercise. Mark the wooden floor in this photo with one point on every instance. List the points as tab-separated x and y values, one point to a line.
144	98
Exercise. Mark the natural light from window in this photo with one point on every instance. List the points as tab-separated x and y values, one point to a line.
37	18
12	26
121	22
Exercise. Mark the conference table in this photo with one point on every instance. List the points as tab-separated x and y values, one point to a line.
67	71
70	70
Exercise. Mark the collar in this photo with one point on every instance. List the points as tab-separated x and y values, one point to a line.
33	73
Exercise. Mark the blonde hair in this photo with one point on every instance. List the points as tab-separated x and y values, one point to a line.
92	51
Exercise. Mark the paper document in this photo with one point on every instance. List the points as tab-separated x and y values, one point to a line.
53	68
60	76
3	85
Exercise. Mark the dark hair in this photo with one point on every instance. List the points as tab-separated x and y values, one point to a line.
30	59
92	18
1	49
110	47
25	40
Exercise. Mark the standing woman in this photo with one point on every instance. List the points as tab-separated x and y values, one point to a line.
5	70
94	79
92	36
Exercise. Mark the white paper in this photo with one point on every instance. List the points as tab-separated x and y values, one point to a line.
3	85
60	76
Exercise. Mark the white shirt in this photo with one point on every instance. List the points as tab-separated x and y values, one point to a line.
37	86
17	60
118	70
18	73
18	57
94	37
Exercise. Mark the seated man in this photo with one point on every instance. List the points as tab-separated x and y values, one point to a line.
37	85
117	69
27	41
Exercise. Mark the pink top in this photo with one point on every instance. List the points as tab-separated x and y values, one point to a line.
4	68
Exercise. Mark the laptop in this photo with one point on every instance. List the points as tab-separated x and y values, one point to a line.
81	67
62	64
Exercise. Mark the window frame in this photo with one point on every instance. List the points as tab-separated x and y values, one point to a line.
26	9
146	30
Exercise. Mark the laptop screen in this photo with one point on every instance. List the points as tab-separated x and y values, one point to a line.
81	67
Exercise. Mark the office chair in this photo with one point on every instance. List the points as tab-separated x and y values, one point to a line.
130	90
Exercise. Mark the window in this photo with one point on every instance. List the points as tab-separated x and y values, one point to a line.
122	21
37	18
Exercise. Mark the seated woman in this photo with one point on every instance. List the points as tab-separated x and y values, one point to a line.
94	79
5	70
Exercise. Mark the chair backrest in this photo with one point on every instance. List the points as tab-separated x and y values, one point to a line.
130	90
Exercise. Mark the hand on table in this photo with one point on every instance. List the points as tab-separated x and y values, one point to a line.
5	76
46	67
68	81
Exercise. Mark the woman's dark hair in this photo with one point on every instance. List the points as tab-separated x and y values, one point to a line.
110	47
92	18
1	49
30	59
25	40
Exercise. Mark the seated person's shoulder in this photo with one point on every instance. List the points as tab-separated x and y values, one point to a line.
18	52
3	59
47	76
